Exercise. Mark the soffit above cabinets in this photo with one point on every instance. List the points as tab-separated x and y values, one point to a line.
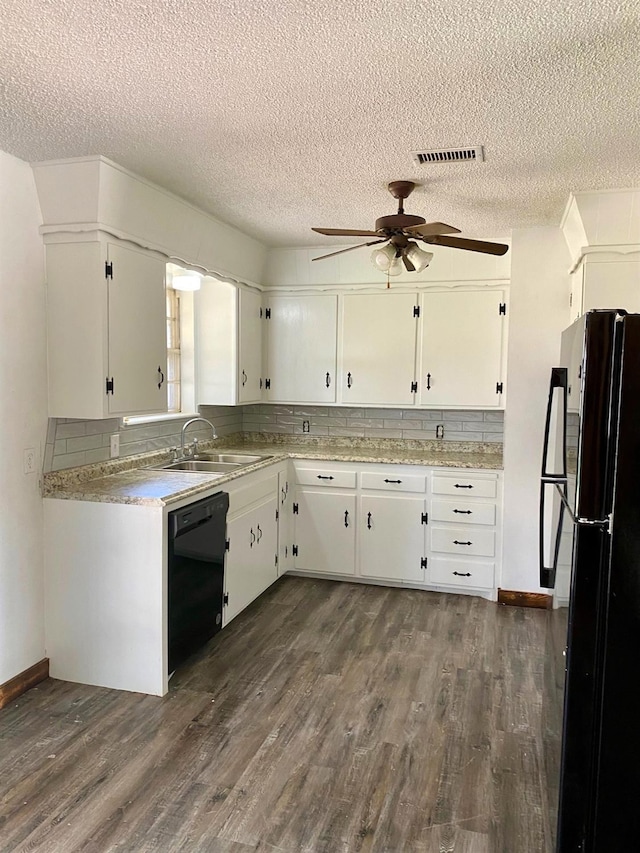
279	116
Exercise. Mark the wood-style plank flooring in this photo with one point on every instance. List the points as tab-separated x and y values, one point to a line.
329	717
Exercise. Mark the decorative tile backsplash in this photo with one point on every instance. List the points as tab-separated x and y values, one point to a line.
374	423
76	442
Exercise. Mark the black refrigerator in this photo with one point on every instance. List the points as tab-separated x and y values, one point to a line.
590	558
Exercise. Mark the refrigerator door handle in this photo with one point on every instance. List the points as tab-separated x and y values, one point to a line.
559	381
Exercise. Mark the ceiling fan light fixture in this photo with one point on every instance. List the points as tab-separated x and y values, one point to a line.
418	257
396	267
383	258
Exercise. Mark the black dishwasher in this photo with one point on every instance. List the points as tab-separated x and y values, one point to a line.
197	535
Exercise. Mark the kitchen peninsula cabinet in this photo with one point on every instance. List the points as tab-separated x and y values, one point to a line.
106	330
301	336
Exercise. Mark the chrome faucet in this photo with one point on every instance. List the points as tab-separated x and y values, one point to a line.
192	449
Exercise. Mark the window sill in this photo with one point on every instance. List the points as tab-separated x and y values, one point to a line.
136	420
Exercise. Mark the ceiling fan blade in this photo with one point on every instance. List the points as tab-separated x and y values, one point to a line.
430	229
345	232
407	263
470	245
349	249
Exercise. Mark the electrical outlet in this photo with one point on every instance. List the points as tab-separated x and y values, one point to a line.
440	431
305	426
115	445
29	461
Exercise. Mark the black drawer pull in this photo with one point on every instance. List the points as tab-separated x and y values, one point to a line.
369	520
244	378
322	477
346	518
327	380
463	511
428	382
459	486
349	380
455	542
463	574
259	532
393	481
161	377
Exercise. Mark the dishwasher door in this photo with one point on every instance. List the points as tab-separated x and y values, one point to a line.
197	536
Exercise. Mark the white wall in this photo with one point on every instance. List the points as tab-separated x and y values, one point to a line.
539	311
23	425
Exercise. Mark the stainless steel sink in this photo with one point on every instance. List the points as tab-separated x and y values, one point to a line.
214	463
235	458
201	465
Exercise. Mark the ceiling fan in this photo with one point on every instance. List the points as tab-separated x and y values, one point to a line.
400	229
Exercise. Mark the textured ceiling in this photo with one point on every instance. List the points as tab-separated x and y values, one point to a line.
276	115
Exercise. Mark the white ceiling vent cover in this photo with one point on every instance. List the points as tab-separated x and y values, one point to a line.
467	153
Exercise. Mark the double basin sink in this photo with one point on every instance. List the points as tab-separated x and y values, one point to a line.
214	463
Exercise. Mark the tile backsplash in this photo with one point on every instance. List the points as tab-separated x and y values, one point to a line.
76	442
487	426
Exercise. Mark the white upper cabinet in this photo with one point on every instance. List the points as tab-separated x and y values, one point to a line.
378	345
611	285
106	330
250	349
228	343
301	348
461	349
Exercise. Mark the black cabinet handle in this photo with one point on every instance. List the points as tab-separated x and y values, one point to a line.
252	539
346	518
244	378
369	520
460	486
349	380
327	380
284	497
161	377
463	511
322	477
455	542
463	574
428	382
393	481
259	533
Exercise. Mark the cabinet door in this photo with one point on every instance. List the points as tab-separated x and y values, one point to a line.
378	341
251	565
137	331
285	524
392	537
325	532
301	348
250	349
612	285
461	349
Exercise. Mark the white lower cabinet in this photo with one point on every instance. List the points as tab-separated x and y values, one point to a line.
431	528
392	537
252	534
325	532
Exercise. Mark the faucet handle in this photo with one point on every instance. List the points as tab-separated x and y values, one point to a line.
194	447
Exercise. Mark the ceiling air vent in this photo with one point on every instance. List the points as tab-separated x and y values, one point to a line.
449	155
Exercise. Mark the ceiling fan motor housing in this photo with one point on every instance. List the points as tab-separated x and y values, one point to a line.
398	221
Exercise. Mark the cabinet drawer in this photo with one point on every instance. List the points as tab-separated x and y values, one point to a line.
461	572
326	477
464	541
468	485
462	511
389	482
245	496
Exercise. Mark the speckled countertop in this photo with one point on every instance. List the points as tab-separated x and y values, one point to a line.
129	481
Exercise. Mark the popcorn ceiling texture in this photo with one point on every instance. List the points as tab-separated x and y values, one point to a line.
276	115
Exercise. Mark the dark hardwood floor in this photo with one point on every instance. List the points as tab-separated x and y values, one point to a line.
328	717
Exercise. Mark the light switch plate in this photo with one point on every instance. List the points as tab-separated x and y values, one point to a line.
29	461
